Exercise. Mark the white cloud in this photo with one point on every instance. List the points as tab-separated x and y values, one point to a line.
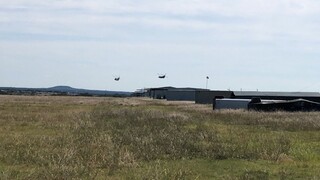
236	8
259	20
182	7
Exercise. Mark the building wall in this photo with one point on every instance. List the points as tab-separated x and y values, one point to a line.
231	103
207	97
180	95
159	94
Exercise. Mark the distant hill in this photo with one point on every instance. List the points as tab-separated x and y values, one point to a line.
61	90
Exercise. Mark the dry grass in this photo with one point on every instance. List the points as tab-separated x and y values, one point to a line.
139	138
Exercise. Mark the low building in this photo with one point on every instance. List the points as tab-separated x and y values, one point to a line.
228	103
159	93
284	105
173	93
140	93
182	94
311	96
207	97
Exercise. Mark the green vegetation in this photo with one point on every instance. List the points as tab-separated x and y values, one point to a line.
132	138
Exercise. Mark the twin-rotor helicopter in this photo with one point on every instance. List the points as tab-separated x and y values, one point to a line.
161	76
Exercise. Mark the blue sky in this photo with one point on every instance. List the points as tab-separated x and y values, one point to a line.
271	45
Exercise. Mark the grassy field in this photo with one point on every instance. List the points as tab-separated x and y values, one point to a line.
132	138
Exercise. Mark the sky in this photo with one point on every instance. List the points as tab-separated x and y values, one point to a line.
265	45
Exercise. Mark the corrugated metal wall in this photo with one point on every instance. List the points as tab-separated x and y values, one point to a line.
231	104
180	95
207	97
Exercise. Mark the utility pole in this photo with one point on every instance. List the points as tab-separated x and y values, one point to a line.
207	78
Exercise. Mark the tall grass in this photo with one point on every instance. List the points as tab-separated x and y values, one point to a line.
155	134
93	138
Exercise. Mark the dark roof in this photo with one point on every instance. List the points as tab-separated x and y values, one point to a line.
170	88
162	88
293	105
287	94
187	89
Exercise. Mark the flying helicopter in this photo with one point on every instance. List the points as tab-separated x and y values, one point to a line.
161	76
